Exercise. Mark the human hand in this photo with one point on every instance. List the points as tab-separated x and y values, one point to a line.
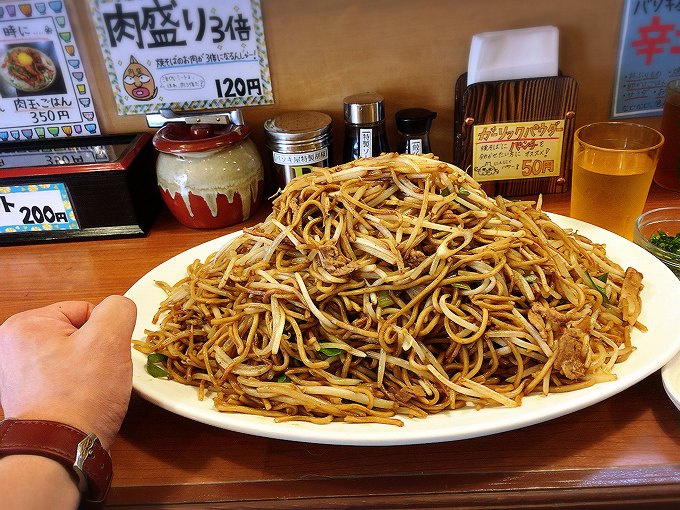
69	362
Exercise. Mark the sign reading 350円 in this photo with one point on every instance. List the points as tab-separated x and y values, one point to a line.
44	92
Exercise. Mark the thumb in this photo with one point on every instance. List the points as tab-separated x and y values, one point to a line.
113	318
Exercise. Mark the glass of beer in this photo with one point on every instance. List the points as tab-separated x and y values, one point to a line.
613	167
668	170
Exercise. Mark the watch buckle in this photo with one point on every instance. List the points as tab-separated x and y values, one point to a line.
83	451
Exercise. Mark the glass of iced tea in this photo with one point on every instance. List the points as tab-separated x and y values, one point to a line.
613	167
668	170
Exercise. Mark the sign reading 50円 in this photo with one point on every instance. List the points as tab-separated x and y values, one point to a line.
183	54
517	150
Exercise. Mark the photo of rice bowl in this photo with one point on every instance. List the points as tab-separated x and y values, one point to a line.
27	69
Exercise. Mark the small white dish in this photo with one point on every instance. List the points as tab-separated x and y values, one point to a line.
670	375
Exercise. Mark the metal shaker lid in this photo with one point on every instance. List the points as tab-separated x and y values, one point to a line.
364	108
297	126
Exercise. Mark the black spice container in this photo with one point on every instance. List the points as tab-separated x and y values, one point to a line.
365	134
413	126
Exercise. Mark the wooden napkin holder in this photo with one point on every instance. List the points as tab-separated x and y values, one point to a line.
77	188
524	133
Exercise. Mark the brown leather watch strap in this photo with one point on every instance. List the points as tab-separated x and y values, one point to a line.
61	442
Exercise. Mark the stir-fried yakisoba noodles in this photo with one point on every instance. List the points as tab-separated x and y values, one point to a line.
394	286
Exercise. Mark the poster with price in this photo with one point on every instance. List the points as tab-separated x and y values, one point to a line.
649	57
183	54
517	150
36	207
43	89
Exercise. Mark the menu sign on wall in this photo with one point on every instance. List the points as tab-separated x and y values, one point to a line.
649	57
43	89
183	54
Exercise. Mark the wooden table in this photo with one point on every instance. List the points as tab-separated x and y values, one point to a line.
622	453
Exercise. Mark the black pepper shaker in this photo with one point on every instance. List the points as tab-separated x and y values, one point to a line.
365	134
413	126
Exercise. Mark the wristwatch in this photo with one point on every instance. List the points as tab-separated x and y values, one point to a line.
80	453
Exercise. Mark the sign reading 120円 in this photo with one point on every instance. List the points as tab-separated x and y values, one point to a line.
43	88
183	54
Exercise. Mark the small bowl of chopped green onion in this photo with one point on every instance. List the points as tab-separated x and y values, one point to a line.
658	232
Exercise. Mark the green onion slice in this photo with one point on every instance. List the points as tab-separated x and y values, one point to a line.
154	365
156	357
598	288
330	351
603	277
156	370
384	299
666	242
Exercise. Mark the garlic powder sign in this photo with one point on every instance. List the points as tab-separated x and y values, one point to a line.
183	54
517	150
44	92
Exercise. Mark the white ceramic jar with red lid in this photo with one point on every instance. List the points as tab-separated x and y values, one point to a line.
209	175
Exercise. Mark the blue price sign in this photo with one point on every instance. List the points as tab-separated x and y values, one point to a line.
35	208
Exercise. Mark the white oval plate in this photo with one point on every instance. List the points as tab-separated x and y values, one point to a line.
653	350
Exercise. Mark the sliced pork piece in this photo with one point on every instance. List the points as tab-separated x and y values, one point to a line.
630	303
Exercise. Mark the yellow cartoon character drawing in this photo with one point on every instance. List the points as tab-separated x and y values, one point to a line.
138	81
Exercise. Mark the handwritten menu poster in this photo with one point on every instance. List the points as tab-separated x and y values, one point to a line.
43	89
649	57
183	54
517	150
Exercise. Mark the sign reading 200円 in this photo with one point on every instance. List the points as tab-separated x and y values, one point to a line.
183	54
36	207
